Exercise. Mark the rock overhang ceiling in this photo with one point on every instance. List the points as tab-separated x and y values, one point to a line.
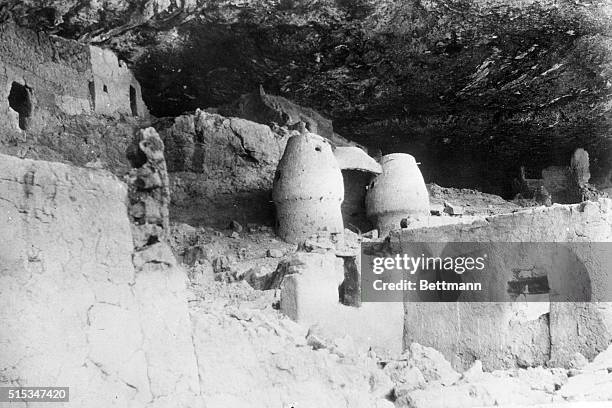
474	89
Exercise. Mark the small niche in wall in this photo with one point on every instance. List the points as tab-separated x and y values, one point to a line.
92	93
349	291
105	88
133	103
20	101
528	285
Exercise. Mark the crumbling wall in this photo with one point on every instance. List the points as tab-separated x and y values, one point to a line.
114	89
44	78
82	140
53	72
221	169
506	334
310	296
562	184
74	309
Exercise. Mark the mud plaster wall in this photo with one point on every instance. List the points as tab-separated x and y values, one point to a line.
114	89
511	334
56	71
73	309
62	77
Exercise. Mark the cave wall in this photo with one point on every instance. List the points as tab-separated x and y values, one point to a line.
221	169
472	88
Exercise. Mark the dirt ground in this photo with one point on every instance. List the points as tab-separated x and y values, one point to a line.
257	356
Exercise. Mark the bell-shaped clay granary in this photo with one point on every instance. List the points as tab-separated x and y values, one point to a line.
399	192
308	190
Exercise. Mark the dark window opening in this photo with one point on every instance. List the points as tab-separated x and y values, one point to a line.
349	291
20	102
133	104
528	285
105	88
92	93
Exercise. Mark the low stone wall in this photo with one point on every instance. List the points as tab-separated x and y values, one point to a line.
310	296
74	309
521	334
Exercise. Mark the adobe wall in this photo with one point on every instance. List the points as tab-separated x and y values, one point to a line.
62	77
56	72
74	310
507	334
309	296
115	89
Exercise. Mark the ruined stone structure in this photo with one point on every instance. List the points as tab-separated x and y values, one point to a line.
308	190
45	77
565	184
508	334
502	334
76	308
399	192
310	296
113	88
92	297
